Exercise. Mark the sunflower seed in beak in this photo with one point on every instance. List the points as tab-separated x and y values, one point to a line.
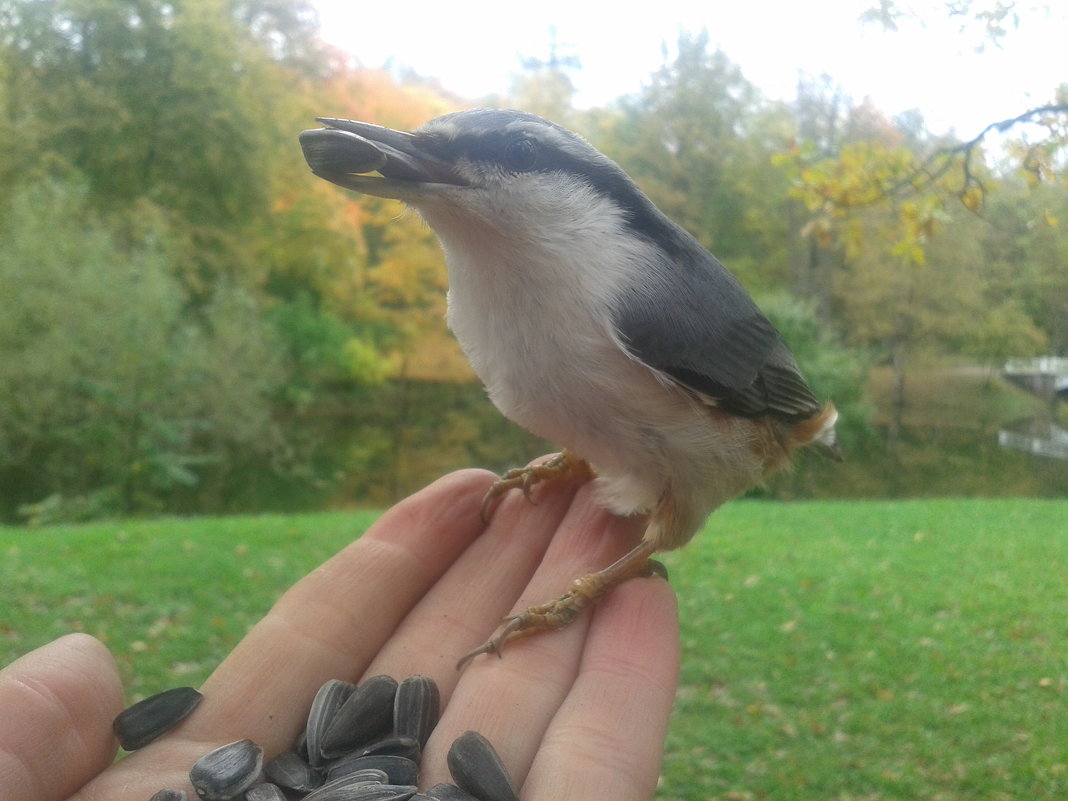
330	151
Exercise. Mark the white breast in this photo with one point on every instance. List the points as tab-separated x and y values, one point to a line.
531	306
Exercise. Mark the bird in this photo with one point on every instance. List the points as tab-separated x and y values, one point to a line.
595	322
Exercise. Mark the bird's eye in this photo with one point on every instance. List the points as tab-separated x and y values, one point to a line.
521	155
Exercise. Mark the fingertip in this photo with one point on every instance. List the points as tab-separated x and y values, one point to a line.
451	501
638	622
100	667
59	702
607	739
647	598
80	663
469	480
89	650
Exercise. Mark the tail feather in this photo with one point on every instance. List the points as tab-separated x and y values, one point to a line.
818	432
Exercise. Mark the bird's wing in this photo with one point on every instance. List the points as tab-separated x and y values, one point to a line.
701	328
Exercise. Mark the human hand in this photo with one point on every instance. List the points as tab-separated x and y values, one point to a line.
579	713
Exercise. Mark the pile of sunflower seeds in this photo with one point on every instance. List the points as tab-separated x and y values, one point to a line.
361	743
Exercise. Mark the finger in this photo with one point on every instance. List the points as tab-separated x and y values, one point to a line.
512	700
468	602
607	739
333	622
55	732
328	625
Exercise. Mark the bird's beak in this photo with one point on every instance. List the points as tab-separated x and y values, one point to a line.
345	151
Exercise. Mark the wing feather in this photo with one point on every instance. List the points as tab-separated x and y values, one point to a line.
700	327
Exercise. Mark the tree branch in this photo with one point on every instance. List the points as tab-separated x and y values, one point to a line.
968	148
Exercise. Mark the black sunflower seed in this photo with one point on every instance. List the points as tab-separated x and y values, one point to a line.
289	770
146	720
446	792
329	151
397	769
170	795
365	716
396	745
475	767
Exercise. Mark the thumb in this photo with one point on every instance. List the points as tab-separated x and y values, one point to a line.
55	733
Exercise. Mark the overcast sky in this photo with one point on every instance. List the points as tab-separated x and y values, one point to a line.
474	49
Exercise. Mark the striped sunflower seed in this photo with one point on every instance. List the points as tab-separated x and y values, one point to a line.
170	795
445	792
330	698
397	745
416	708
354	787
227	771
265	792
329	150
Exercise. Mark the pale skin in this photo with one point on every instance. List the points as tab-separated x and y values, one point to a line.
578	713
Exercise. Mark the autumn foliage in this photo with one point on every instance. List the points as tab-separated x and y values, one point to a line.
190	321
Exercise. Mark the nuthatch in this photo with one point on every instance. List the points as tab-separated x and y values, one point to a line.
594	321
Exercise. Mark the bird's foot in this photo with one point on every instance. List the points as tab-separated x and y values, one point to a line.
561	466
544	617
561	611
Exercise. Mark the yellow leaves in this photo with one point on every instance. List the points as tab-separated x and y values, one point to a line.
879	197
864	176
864	173
852	237
972	198
910	251
363	361
819	229
375	96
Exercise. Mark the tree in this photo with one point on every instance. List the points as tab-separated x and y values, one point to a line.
699	139
173	103
1027	249
545	87
384	275
113	396
994	19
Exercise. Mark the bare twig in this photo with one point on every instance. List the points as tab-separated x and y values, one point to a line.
968	148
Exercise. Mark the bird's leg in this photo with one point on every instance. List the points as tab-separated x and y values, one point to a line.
559	612
563	465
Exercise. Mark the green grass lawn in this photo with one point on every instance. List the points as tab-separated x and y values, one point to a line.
831	651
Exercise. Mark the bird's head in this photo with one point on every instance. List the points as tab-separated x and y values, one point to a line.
510	169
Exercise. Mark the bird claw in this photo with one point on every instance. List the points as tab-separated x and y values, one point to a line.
560	466
494	645
549	616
